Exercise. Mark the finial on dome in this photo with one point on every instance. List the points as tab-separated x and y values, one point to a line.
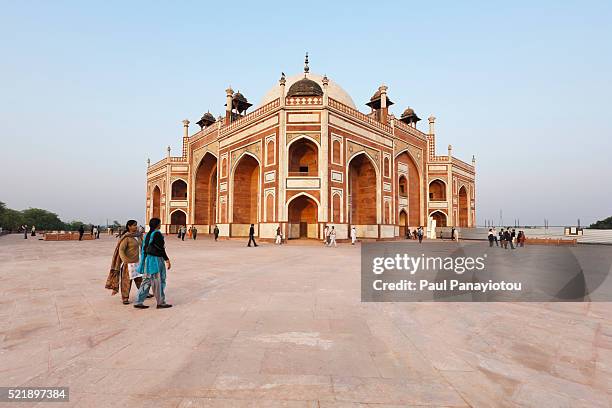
325	80
306	68
282	79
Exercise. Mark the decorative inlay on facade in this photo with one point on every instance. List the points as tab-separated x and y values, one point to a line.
294	135
353	148
386	186
254	148
336	176
297	183
269	176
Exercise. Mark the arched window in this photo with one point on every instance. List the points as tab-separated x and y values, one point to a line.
179	190
303	158
437	191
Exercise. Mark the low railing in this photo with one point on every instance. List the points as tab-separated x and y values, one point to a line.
256	114
302	174
358	115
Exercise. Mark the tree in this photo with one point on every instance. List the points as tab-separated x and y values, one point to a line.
11	220
602	224
42	219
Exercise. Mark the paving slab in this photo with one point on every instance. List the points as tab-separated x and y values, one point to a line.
282	326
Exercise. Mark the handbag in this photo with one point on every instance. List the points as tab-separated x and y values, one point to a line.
134	270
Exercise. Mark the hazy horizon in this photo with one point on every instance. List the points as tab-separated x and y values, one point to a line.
89	92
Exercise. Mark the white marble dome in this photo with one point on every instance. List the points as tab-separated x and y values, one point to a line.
334	90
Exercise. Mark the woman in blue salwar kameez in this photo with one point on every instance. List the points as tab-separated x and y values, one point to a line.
153	264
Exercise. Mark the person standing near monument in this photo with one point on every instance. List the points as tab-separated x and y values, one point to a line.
25	231
495	237
453	234
194	233
353	235
124	262
332	237
252	236
33	230
153	265
183	232
279	236
216	233
420	234
81	232
326	235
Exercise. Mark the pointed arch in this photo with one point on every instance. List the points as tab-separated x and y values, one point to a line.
302	215
245	186
156	202
415	187
363	180
205	190
440	217
463	206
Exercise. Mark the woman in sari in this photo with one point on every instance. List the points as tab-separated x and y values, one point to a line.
153	264
124	263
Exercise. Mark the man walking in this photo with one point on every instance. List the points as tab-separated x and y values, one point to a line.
420	234
183	232
216	233
353	235
252	236
495	237
194	233
332	237
81	232
325	235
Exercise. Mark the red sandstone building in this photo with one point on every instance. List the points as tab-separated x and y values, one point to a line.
306	158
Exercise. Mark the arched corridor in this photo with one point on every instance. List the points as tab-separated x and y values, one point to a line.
413	187
156	213
177	220
440	218
463	207
246	191
362	191
206	191
303	217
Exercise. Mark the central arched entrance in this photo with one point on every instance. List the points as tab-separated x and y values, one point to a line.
463	207
303	217
205	205
155	213
246	191
362	191
177	220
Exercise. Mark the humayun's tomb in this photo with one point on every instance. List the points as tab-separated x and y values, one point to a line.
306	158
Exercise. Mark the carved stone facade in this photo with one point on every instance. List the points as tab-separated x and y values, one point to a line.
303	162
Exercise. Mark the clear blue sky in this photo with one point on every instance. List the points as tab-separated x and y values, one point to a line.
89	91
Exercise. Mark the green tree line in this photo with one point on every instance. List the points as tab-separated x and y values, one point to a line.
12	220
603	224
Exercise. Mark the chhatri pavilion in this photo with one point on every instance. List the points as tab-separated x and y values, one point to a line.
306	157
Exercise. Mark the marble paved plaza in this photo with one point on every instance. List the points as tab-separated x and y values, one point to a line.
282	327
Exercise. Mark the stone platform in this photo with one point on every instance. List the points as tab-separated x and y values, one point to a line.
282	327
